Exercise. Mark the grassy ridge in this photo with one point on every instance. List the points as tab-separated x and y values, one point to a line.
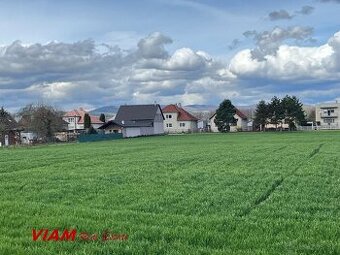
195	194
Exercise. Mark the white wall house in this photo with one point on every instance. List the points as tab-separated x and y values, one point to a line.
328	115
75	120
178	120
137	120
242	122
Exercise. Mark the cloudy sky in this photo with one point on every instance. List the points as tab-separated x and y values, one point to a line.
71	53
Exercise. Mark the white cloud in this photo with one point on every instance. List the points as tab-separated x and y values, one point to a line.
87	73
153	46
292	63
67	74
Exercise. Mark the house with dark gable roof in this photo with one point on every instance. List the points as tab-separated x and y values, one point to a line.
136	120
242	122
178	120
9	130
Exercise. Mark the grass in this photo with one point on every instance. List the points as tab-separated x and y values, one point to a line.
246	193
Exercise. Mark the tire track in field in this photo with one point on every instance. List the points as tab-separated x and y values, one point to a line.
280	148
276	184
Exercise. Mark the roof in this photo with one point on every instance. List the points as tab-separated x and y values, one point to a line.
238	113
241	114
109	123
183	115
81	113
7	122
133	113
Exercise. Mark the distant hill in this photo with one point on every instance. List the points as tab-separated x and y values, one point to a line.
109	111
200	108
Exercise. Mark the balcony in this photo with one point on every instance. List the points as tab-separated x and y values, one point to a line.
327	115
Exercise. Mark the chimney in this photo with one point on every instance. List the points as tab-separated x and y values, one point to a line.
179	105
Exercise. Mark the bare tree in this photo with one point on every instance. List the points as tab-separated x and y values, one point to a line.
41	119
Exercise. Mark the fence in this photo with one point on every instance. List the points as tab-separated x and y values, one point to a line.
98	137
322	127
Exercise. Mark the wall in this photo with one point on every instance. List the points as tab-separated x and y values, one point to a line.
241	124
158	126
131	132
190	126
322	116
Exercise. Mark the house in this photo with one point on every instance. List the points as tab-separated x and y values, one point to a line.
203	125
136	120
9	130
75	120
112	127
327	115
28	137
178	120
242	122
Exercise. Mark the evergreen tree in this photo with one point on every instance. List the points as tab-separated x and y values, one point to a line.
293	111
92	131
275	111
225	116
87	121
261	115
102	117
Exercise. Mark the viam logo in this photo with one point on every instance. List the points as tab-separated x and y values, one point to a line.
72	235
54	235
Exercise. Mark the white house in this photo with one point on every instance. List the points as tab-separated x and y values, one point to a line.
328	115
136	120
75	120
242	122
178	120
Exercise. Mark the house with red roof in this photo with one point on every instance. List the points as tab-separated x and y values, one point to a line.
75	120
241	125
178	120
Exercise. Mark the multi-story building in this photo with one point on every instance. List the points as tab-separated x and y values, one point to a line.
178	120
75	120
327	115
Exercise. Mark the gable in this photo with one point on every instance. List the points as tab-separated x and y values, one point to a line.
137	112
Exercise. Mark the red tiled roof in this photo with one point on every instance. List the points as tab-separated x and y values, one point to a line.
183	115
81	113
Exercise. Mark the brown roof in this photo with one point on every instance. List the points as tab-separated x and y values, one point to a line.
241	114
81	113
183	115
238	112
7	122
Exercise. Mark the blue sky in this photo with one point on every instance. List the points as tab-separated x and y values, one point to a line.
94	53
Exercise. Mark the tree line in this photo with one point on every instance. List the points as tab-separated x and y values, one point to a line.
288	110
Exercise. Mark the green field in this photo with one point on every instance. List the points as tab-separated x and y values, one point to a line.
246	193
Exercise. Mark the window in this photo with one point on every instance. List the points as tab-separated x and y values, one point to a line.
168	116
169	125
328	121
182	124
